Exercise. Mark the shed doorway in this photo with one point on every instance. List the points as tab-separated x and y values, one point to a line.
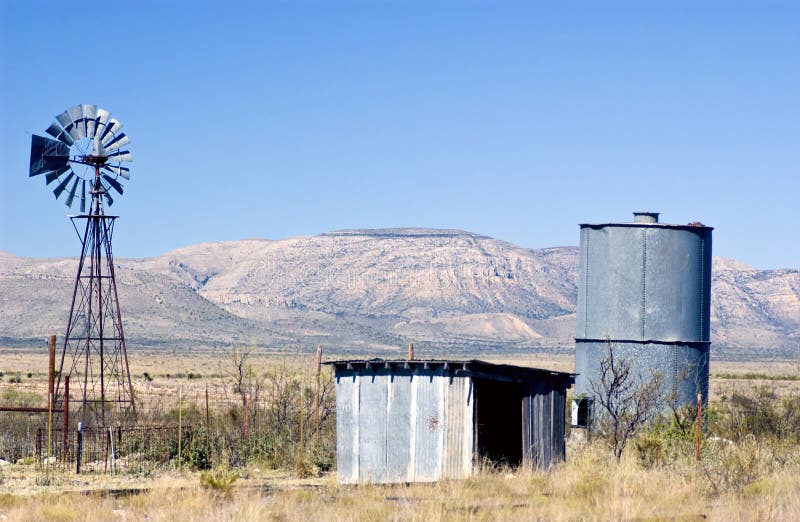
498	421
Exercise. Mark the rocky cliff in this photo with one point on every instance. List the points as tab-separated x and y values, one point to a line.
374	290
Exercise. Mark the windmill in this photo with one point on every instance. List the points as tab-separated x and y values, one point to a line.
85	159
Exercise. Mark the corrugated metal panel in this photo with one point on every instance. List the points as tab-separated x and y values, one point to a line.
458	444
683	367
398	432
429	426
396	428
644	283
559	426
546	428
373	397
347	427
544	423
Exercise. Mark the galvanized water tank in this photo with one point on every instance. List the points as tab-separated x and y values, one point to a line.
644	292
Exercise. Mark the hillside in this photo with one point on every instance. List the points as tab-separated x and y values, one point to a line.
374	290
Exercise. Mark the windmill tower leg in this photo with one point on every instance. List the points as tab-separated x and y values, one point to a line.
94	353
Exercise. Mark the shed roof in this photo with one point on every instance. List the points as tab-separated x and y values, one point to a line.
471	367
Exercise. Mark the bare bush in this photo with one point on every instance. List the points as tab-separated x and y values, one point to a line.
627	402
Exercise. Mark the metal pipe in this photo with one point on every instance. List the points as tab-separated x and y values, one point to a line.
65	432
21	409
645	217
79	449
51	367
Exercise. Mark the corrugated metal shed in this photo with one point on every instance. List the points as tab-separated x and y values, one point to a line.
426	420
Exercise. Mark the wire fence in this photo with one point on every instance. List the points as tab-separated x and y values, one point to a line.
114	449
281	416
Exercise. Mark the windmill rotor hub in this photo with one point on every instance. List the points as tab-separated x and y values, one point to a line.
86	145
97	161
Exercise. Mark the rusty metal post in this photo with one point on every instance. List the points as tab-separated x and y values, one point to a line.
410	351
698	454
49	428
38	446
51	373
65	433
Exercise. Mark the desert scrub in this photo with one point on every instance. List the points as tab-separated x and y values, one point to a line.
669	441
760	413
219	479
732	466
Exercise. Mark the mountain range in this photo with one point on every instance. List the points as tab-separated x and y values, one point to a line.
373	292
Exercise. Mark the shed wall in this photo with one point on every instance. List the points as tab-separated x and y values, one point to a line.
544	423
403	426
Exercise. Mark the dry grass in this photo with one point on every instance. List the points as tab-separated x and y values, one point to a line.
591	486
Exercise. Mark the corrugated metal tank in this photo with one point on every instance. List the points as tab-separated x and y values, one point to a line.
644	291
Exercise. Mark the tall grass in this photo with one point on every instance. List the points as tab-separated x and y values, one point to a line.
592	485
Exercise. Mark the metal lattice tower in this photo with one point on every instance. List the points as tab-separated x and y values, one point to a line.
87	153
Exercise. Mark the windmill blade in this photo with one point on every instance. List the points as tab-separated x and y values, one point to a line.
112	129
76	113
77	130
124	172
64	120
114	183
61	186
60	134
102	119
121	155
90	116
72	190
120	141
83	196
108	197
89	111
47	155
52	176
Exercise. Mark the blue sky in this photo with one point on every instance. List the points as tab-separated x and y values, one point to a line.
518	120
